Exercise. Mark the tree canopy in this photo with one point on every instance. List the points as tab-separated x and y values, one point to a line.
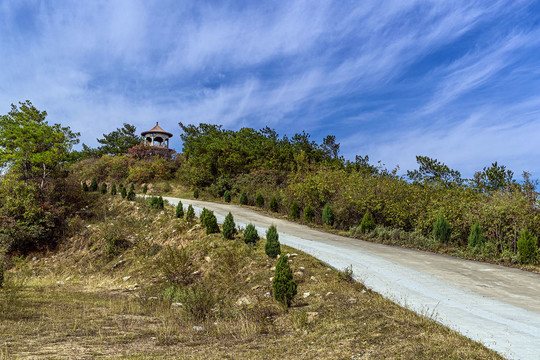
432	170
116	142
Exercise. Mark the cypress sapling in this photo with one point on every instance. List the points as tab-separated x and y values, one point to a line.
227	196
272	248
190	214
250	234
283	284
123	192
441	229
295	211
243	198
309	214
179	210
229	227
212	226
113	189
476	239
259	200
103	188
274	204
367	224
131	194
527	245
196	193
328	215
85	187
94	185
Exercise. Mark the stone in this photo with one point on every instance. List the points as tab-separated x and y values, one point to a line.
243	301
298	273
363	291
306	295
176	304
60	282
352	300
256	287
294	254
152	298
207	259
313	278
302	268
267	294
92	277
119	263
329	293
271	279
273	268
126	278
198	328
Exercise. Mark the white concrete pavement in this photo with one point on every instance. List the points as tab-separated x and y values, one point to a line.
495	305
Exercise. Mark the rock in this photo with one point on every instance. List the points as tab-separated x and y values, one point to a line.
256	287
329	293
118	263
126	278
198	328
302	268
196	272
69	278
60	282
34	258
311	315
298	273
271	279
294	254
363	291
176	304
352	300
207	259
273	268
313	278
92	277
328	269
306	295
152	298
267	294
243	301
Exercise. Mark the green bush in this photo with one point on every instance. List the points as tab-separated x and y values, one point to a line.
123	192
228	227
175	264
198	301
160	203
243	198
295	211
153	201
113	189
212	226
131	187
476	239
196	193
94	185
145	189
259	200
309	214
227	196
274	204
527	245
441	229
179	210
283	284
190	214
367	224
205	214
272	246
131	195
250	234
85	187
328	215
103	189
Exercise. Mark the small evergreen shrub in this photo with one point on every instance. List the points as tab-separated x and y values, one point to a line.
131	187
190	214
228	227
196	193
243	198
94	185
309	214
328	215
212	226
103	188
283	285
160	203
113	189
123	192
274	204
85	187
527	245
476	239
205	214
153	202
295	211
441	229
259	200
250	234
227	196
130	195
272	248
179	210
145	189
367	225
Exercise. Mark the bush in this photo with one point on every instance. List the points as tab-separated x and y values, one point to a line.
212	226
272	246
441	229
179	210
205	214
228	227
160	203
131	187
283	284
131	194
113	189
243	198
196	194
103	189
145	189
123	192
227	196
94	184
274	204
153	202
115	242
295	211
175	264
190	214
476	239
527	245
328	215
309	213
367	224
259	200
250	234
198	301
84	186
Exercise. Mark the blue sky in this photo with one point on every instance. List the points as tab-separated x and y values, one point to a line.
455	80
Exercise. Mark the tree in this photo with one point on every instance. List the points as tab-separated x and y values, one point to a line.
179	210
250	234
283	284
259	200
228	227
527	245
145	189
274	205
243	198
494	178
432	170
442	229
123	192
328	215
330	147
190	214
196	194
94	184
295	211
212	226
119	141
476	239
30	147
85	187
103	189
227	196
113	189
131	194
272	248
309	213
367	223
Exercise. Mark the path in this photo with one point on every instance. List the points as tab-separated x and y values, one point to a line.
495	305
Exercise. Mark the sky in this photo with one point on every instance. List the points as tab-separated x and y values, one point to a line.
458	81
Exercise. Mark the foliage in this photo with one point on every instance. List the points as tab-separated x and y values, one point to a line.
228	227
367	224
85	187
527	247
103	188
123	192
243	198
250	234
328	215
113	189
442	229
196	194
431	170
272	246
212	226
198	301
227	196
115	143
259	200
176	265
145	189
179	210
295	211
274	204
205	214
190	213
156	202
493	178
115	241
309	213
94	184
476	239
131	194
283	284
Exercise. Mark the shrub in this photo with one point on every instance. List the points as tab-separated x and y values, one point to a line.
283	284
160	204
367	224
131	194
476	239
243	198
115	242
84	186
175	264
196	194
227	196
212	226
190	214
205	214
328	215
295	211
113	189
131	187
180	210
274	204
259	200
145	189
103	188
527	245
441	229
123	192
198	301
228	227
153	202
272	246
309	213
250	234
94	184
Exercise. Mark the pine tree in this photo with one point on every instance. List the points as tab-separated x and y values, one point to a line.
160	203
227	196
212	226
205	214
243	198
367	224
328	215
441	229
196	193
85	187
145	189
272	246
476	239
179	210
1	272
250	234
123	192
259	200
228	227
131	194
131	187
309	213
190	214
274	204
295	211
283	283
154	202
113	189
94	185
527	245
103	188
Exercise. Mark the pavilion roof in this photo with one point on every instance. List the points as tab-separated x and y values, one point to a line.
157	129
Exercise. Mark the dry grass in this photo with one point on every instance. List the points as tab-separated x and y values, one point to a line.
75	304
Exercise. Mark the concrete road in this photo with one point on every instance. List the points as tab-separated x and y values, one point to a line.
495	305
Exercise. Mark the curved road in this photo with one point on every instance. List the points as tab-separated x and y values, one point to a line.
495	305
